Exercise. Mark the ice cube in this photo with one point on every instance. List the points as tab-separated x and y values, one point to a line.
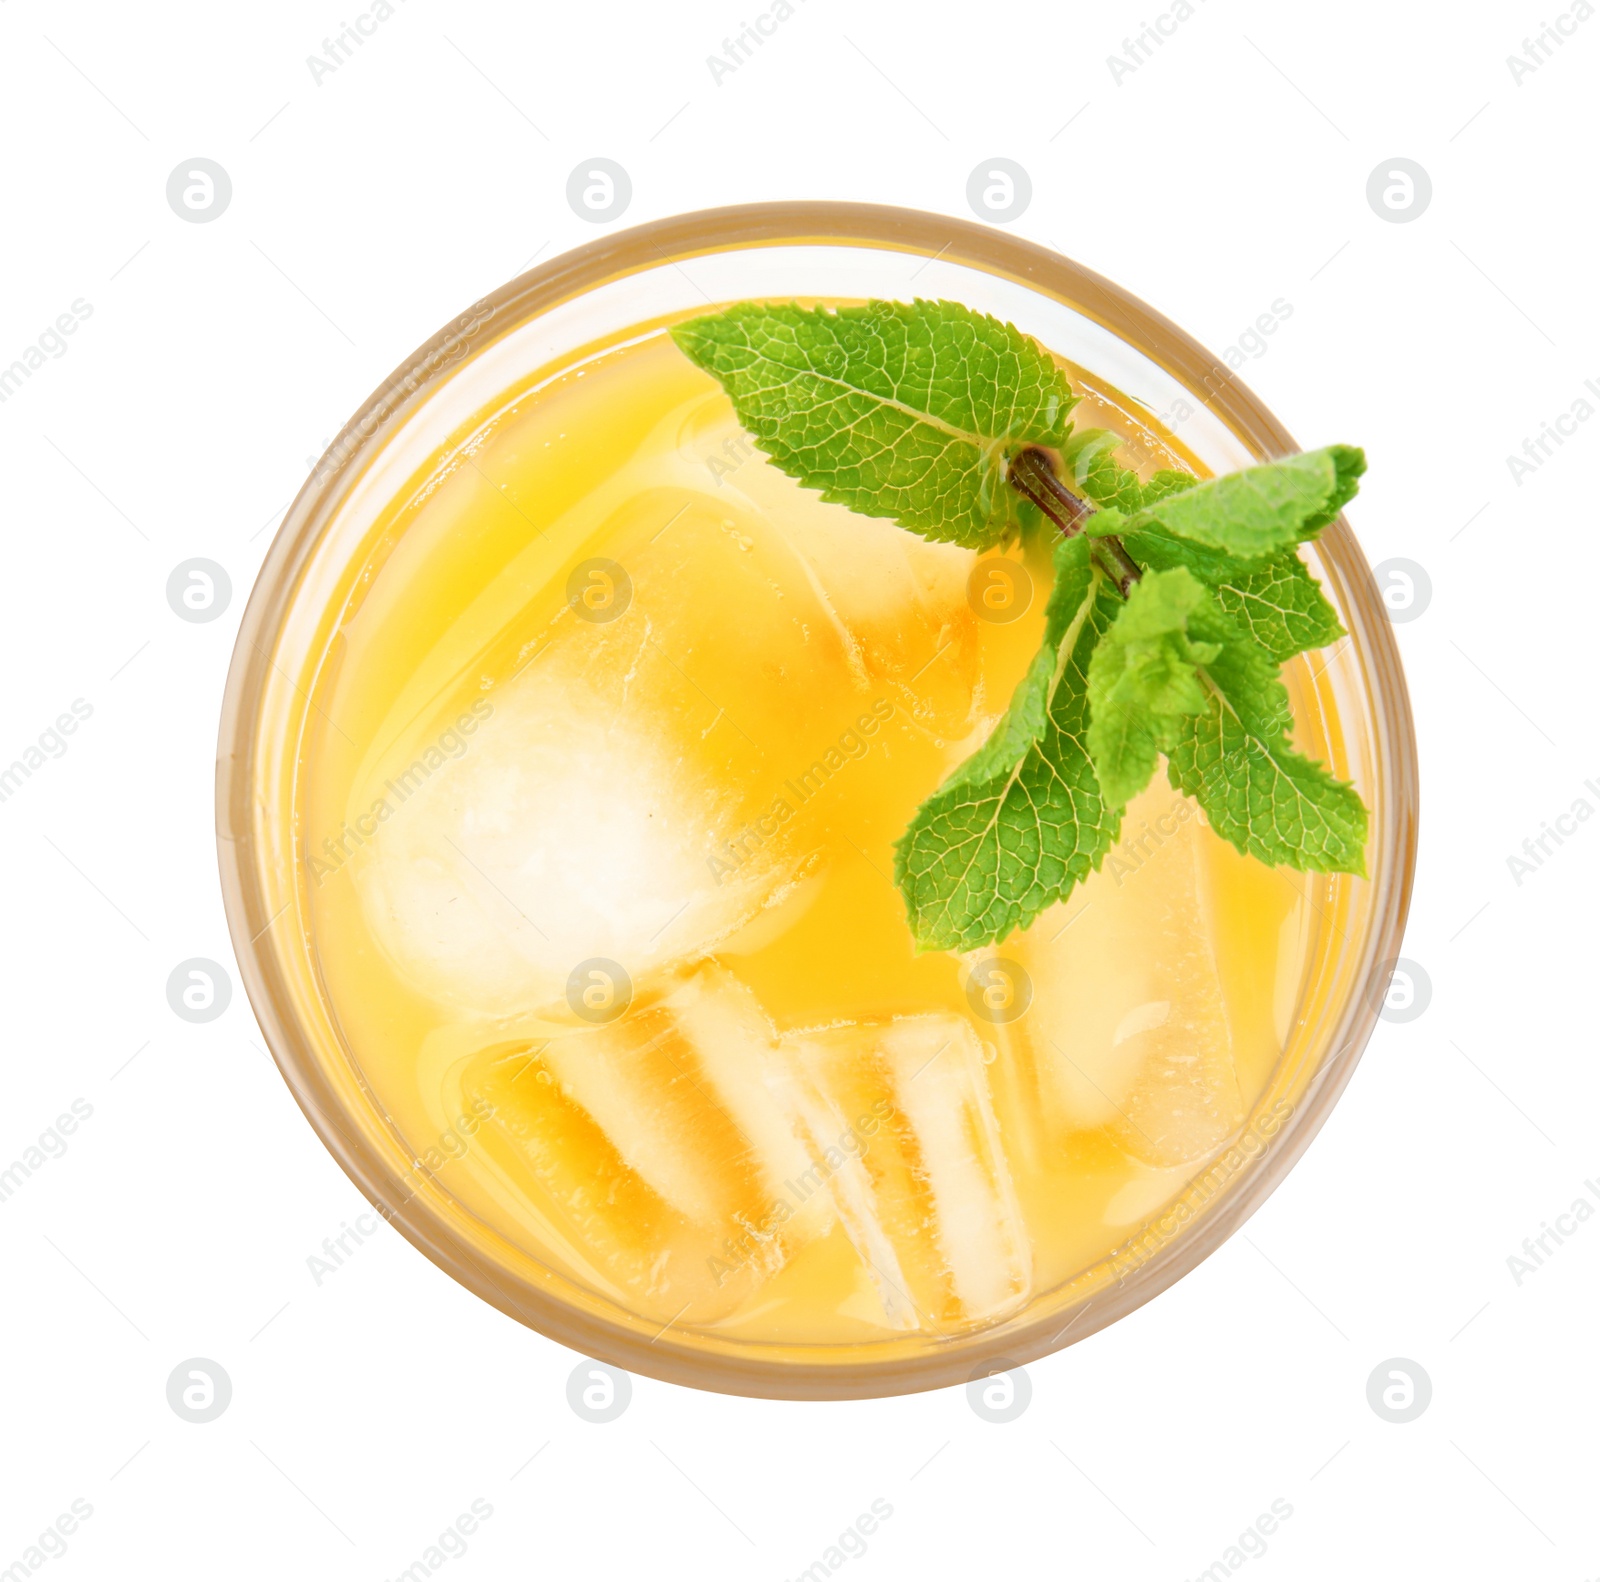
1128	1027
901	1131
655	1148
565	834
899	601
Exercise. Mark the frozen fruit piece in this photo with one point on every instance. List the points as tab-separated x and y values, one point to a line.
1128	1027
900	1126
656	1149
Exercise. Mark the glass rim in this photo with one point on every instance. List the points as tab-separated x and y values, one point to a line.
573	274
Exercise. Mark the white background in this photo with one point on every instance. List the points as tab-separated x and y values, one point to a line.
1227	172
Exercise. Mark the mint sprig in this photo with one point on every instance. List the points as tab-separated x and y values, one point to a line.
1175	599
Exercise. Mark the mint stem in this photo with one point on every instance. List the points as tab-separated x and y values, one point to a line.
1033	475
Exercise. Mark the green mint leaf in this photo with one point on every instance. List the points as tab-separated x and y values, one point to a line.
1157	550
1143	679
1095	473
1022	821
1236	761
1278	599
1282	606
1176	673
1349	464
1267	800
1027	717
1241	673
1165	482
903	410
1253	513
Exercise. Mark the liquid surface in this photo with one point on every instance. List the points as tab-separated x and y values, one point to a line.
611	749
